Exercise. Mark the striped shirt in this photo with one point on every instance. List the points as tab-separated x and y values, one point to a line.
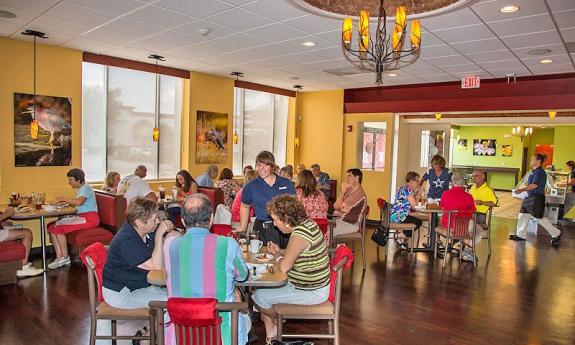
200	264
311	269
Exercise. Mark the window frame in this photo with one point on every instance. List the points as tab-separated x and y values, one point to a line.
157	117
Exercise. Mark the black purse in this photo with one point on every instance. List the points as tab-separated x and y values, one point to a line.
380	236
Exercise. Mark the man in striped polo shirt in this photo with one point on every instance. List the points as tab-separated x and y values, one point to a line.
201	264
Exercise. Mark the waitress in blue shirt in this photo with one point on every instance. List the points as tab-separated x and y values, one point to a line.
87	217
438	177
258	193
533	206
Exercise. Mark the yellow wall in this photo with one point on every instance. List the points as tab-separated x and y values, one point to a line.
59	73
375	183
321	131
209	93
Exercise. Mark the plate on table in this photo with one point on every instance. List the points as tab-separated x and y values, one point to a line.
264	257
257	270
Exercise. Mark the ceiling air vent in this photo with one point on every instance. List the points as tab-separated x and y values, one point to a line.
570	47
347	71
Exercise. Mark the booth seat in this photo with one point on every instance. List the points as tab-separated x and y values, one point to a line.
11	255
216	195
112	212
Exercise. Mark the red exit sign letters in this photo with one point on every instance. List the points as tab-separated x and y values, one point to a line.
470	82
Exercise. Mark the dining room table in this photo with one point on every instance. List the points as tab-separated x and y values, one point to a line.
434	211
41	215
272	278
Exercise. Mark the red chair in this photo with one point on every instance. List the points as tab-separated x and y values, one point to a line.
387	225
196	320
222	229
94	257
326	311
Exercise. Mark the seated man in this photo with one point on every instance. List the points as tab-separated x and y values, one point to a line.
134	185
207	179
322	180
458	199
200	264
350	204
25	237
483	195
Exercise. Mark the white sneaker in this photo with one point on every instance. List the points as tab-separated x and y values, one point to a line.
65	260
29	271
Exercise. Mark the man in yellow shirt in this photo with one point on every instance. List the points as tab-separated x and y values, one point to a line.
483	195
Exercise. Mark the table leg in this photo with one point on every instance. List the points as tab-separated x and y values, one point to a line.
427	248
43	240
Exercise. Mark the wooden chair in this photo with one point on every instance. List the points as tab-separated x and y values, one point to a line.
385	222
358	236
204	335
487	227
325	311
100	310
459	231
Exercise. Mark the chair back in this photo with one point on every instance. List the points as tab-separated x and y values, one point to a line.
195	320
94	257
221	229
384	209
459	225
363	219
338	269
323	224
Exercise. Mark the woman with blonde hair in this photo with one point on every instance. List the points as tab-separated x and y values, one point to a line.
112	181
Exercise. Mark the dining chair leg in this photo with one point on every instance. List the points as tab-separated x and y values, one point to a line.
280	327
114	331
93	331
445	252
363	253
435	249
153	329
411	240
336	333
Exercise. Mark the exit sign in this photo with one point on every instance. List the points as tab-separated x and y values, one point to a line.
470	82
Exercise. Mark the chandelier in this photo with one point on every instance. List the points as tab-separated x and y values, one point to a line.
522	132
383	50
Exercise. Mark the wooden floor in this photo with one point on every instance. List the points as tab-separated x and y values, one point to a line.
524	294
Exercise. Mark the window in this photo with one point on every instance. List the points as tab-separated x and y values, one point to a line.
431	145
119	107
260	120
371	152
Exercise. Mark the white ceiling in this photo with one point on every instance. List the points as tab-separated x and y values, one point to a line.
262	38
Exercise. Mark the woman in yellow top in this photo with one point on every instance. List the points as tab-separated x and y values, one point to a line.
305	261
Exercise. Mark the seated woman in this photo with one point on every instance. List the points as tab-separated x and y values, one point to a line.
8	232
305	260
249	176
227	184
186	186
405	202
310	196
112	182
350	204
86	218
135	250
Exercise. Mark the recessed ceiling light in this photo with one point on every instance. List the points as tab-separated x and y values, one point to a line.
392	74
544	61
539	51
309	44
509	9
7	15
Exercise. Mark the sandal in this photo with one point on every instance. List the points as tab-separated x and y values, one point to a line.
271	340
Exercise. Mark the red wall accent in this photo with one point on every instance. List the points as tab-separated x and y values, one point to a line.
528	93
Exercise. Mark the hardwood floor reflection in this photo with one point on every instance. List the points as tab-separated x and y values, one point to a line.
523	294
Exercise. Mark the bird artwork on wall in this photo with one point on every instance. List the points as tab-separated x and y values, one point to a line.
42	130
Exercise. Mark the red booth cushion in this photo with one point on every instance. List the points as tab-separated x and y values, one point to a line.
11	251
82	238
216	195
108	207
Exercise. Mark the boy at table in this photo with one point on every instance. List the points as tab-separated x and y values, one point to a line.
200	264
24	236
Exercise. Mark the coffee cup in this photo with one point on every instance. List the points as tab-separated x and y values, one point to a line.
255	246
243	244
